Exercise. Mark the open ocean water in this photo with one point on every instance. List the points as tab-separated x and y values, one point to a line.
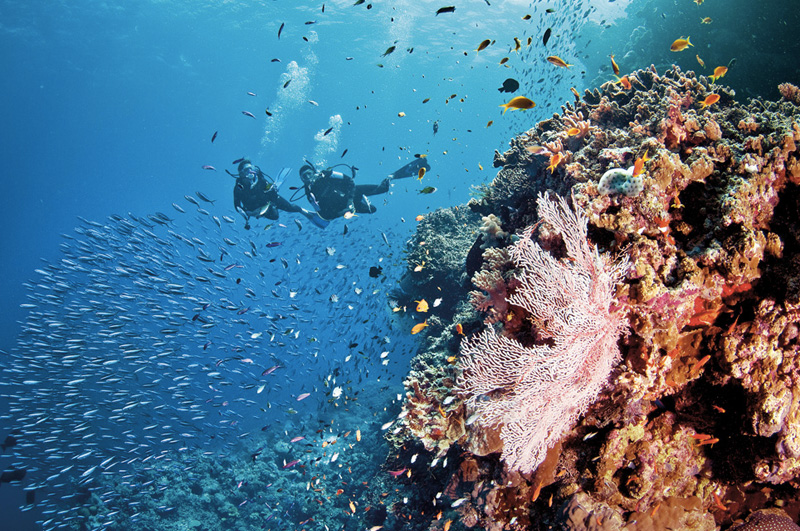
165	368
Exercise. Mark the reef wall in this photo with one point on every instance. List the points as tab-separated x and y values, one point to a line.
699	423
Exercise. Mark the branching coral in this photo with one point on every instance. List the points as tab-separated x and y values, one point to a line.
577	125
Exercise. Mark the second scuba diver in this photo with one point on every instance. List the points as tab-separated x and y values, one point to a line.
333	194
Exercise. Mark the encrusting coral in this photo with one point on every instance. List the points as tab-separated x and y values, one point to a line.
699	422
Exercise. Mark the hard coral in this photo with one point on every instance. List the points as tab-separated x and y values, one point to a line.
576	124
790	92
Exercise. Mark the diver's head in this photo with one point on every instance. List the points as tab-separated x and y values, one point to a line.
307	173
247	170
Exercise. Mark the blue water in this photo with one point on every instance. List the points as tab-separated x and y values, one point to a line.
109	109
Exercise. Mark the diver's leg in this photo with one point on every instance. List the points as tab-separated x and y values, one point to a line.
372	189
286	206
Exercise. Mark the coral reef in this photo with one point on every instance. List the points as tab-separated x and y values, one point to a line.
699	423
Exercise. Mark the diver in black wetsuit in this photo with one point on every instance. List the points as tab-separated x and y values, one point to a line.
254	195
334	194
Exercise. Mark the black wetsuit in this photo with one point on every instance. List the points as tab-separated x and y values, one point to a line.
333	196
255	198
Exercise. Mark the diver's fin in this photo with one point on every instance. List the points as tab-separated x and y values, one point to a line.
316	219
411	169
282	175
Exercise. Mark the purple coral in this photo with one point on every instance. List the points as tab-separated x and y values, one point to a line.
537	393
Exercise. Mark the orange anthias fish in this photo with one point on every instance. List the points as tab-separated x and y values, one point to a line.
459	329
520	102
638	166
680	44
422	306
710	100
555	160
625	82
556	60
719	72
614	65
418	327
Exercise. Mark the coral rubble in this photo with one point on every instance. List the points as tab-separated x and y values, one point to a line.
699	423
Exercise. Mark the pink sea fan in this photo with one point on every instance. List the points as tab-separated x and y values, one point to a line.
537	393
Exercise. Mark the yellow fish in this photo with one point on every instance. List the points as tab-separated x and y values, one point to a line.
421	173
556	60
706	20
520	102
422	306
614	65
680	44
418	327
517	44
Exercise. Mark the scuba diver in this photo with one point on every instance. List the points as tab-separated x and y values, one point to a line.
334	194
256	195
